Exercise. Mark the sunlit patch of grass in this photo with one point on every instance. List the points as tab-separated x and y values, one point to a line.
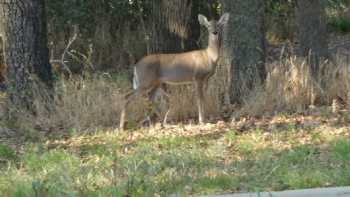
305	178
15	183
177	142
206	185
7	153
340	150
147	163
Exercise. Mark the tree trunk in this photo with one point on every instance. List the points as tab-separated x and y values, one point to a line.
245	46
25	48
2	63
171	26
312	32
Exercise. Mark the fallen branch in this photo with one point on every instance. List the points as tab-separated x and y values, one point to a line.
62	61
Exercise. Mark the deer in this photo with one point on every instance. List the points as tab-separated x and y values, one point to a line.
193	67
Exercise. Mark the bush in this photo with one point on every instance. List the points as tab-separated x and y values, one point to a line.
340	24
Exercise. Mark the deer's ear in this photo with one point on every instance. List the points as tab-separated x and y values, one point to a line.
203	20
224	19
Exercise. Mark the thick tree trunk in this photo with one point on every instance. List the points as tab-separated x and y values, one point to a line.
245	46
171	26
25	48
312	32
2	62
41	63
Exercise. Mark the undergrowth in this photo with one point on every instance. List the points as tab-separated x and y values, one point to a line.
89	103
340	24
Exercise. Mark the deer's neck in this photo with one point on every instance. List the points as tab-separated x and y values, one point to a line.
213	48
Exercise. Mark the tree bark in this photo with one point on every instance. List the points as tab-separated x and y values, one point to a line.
25	49
171	26
42	66
245	46
2	63
312	32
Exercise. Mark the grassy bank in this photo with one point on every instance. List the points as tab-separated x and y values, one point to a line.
277	153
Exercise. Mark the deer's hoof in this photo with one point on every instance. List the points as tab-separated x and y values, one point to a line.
121	127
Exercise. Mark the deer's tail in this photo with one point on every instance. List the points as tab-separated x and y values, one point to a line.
135	80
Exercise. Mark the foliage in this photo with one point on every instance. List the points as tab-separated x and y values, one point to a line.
88	13
336	4
340	24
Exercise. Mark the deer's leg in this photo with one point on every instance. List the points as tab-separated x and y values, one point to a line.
129	97
167	101
152	98
154	108
205	84
200	101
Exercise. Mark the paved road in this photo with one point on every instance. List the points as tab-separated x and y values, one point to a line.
317	192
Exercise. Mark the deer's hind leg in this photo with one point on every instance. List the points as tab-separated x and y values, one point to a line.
156	110
162	89
153	110
129	97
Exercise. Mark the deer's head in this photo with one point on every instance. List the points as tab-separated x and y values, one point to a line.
213	26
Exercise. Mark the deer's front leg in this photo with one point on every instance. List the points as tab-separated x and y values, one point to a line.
129	97
200	101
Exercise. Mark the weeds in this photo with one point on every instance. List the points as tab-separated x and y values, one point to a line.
7	153
158	165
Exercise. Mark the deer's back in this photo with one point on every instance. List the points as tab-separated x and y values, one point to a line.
175	68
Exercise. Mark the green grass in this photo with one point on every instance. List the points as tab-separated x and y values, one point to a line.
6	153
110	164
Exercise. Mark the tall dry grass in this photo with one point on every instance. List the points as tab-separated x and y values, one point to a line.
290	87
78	103
90	103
